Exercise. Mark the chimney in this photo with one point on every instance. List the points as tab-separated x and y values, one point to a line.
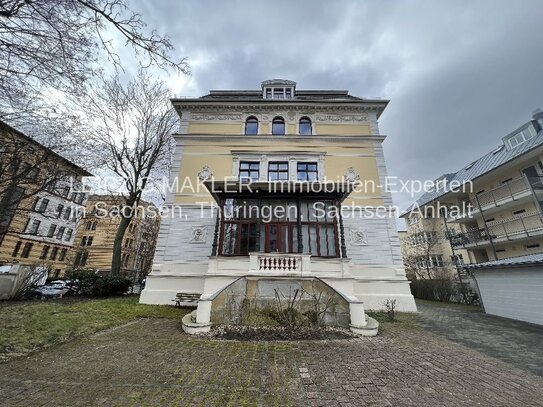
537	115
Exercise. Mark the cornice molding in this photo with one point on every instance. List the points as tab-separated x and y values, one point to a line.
267	114
286	138
220	108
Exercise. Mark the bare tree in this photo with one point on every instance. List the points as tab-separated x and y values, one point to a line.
424	249
131	130
49	52
48	48
27	278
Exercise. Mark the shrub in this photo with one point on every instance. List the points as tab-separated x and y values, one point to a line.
437	290
93	284
390	306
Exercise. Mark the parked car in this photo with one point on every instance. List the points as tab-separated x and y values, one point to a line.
54	289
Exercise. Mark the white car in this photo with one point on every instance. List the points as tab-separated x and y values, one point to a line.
54	289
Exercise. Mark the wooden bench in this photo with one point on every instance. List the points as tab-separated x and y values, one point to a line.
186	299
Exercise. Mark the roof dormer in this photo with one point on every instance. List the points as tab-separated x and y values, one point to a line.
278	89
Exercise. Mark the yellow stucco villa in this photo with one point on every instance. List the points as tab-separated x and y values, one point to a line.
274	188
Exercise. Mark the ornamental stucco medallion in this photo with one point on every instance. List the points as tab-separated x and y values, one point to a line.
358	237
199	234
205	173
351	175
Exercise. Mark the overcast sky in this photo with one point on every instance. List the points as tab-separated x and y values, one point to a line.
459	74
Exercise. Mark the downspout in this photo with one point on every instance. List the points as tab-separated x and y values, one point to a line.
486	227
455	260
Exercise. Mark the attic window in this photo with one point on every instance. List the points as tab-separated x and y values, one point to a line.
497	150
278	93
521	137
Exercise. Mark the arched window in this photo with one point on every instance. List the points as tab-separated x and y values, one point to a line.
251	125
305	126
278	125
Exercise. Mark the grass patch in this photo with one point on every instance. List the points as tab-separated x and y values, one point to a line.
404	319
28	326
454	305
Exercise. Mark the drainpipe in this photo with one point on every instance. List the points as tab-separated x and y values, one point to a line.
486	227
455	260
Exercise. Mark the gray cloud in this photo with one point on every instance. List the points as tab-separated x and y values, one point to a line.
460	74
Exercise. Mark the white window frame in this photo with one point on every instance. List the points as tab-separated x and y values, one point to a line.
280	91
522	137
292	159
34	227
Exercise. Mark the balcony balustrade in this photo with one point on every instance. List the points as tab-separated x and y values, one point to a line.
279	262
518	228
511	190
282	263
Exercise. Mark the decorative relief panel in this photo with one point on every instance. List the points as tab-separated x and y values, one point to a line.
358	237
211	116
342	118
199	234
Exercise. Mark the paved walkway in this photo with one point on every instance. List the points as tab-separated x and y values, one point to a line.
515	342
150	362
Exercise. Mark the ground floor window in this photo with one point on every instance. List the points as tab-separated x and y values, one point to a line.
278	226
81	259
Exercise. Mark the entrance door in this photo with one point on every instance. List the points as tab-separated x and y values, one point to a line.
279	237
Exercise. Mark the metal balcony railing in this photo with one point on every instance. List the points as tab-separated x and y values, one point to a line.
523	226
469	237
509	190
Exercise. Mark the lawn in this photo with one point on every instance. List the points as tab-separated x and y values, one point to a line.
452	305
28	326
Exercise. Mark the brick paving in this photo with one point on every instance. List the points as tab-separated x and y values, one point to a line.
151	363
514	342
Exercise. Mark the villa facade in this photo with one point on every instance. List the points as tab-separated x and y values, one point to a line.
267	184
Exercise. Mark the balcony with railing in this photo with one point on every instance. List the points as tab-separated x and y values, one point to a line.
522	227
508	194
